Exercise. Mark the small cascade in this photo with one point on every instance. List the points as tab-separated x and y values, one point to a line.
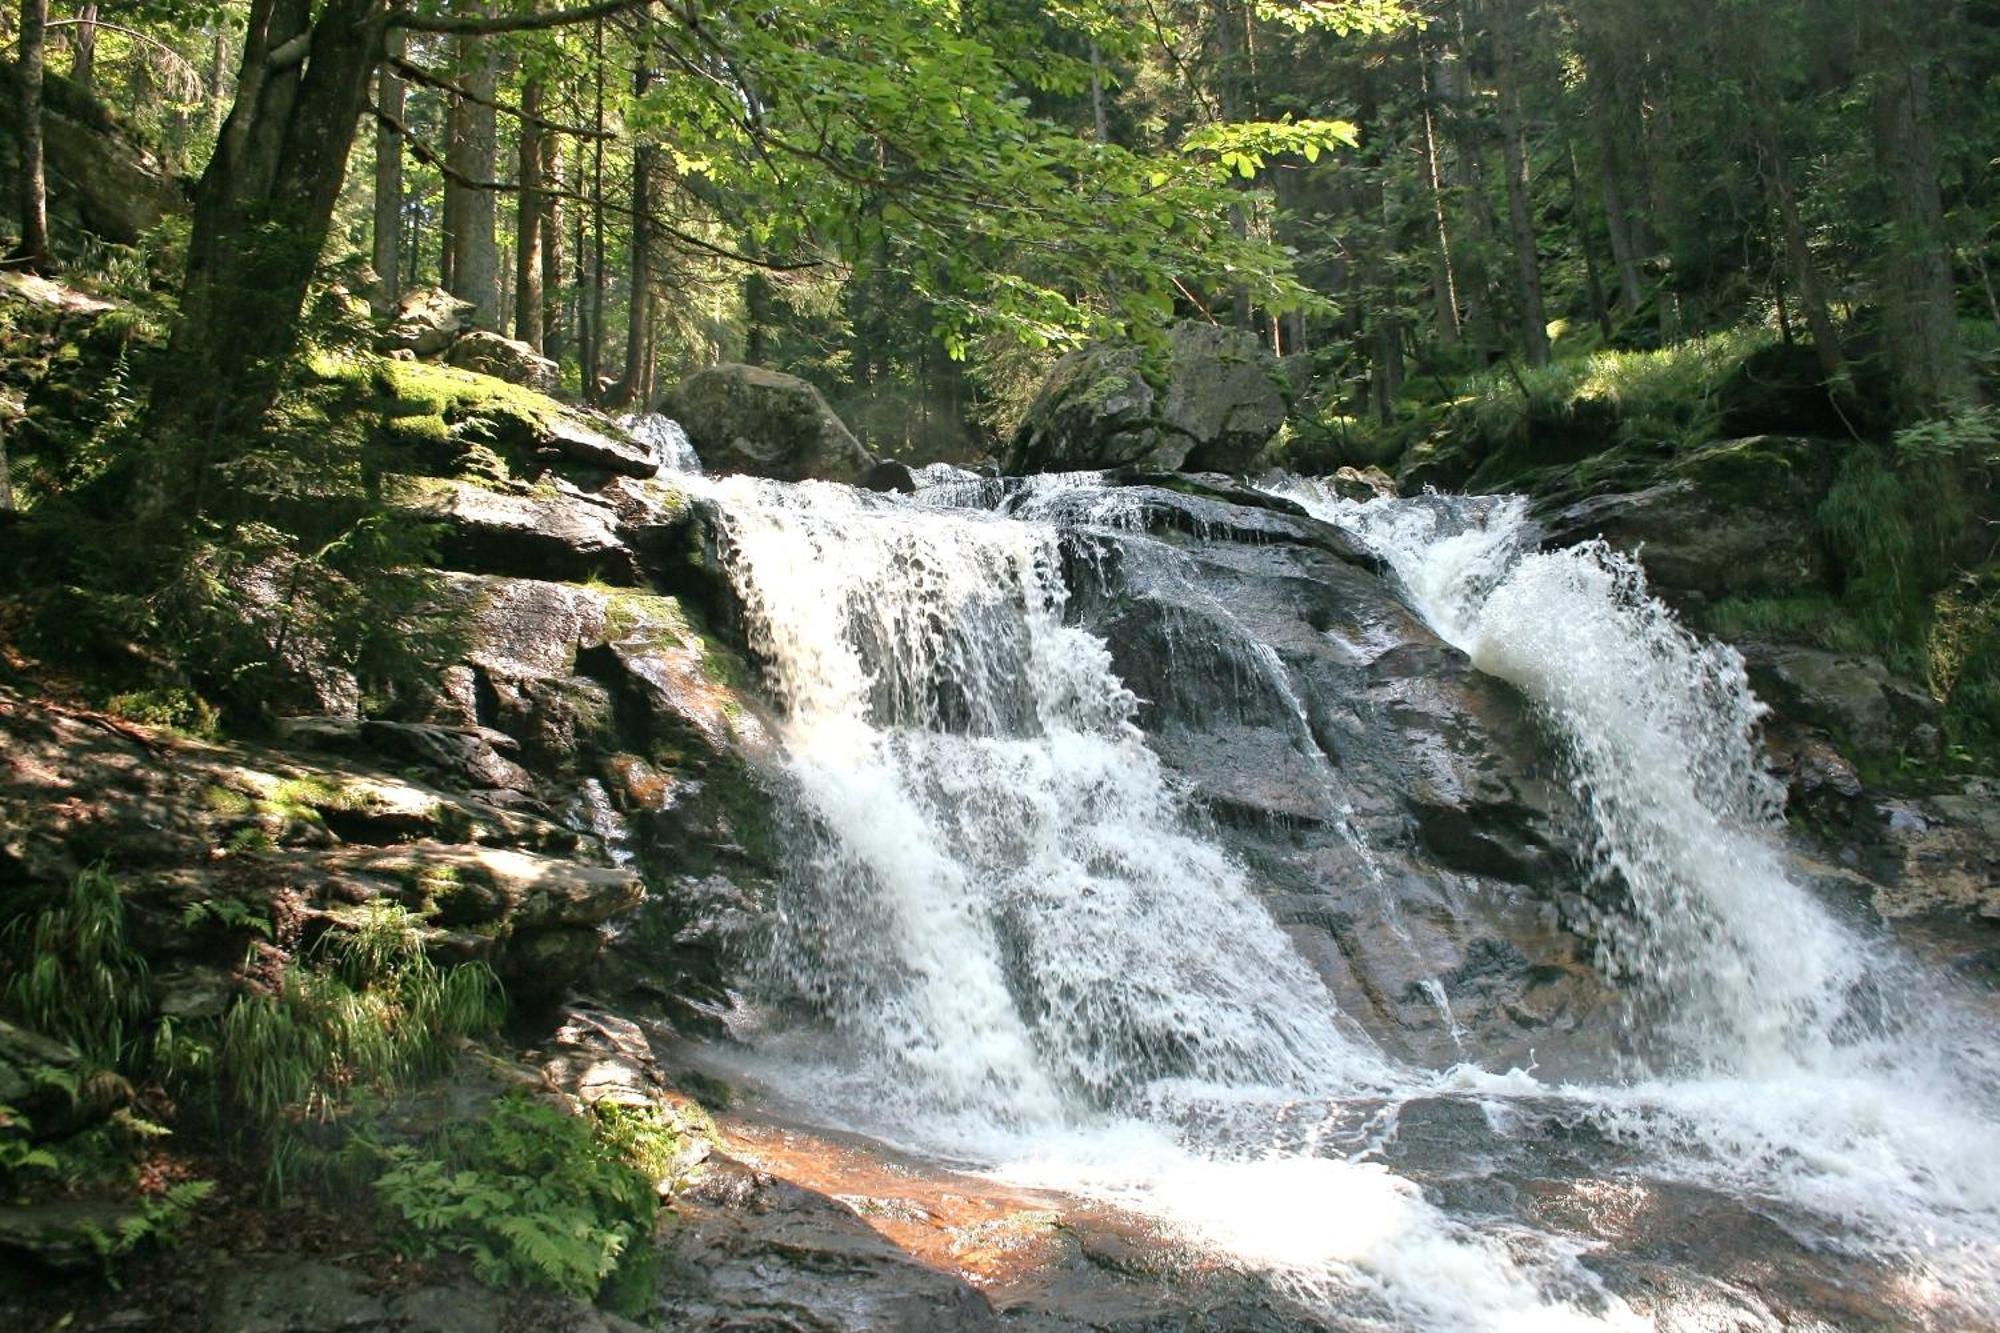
1793	1055
665	437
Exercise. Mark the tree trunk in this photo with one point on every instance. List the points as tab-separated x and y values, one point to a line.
262	213
6	480
1466	174
389	181
33	252
554	340
528	222
639	300
1520	198
83	47
1600	309
475	261
593	347
218	74
1624	254
1444	282
447	237
1812	296
1927	367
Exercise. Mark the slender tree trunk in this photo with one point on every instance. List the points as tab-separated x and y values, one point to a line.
389	180
1617	223
33	251
1466	174
594	347
1919	301
1520	195
6	481
528	222
1600	308
447	237
1097	119
475	263
83	47
1812	296
639	325
218	74
554	340
1444	283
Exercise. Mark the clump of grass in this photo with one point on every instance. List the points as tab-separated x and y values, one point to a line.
369	1011
74	976
1665	400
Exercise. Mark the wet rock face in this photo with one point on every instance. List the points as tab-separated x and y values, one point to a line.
1224	399
766	424
1397	810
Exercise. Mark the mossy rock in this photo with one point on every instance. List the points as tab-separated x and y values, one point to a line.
1763	469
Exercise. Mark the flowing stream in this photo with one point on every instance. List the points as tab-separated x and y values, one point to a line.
1023	953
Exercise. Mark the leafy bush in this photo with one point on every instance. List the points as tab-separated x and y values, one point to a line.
535	1196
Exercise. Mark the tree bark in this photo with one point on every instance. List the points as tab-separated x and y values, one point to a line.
639	302
593	346
33	251
528	222
555	340
388	238
83	47
1444	283
475	261
218	74
262	213
1812	295
1617	223
1927	367
1520	197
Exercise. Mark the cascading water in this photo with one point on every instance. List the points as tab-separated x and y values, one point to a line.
1031	961
665	437
1797	1058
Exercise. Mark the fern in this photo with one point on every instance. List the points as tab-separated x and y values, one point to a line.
532	1196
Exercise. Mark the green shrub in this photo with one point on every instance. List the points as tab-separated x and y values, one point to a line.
535	1197
1666	399
73	976
368	1012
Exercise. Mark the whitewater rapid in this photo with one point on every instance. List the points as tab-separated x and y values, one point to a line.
1029	960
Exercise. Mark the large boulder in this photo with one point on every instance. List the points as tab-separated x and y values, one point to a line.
99	173
1225	398
767	424
506	359
426	322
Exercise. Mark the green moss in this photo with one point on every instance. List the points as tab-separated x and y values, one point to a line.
1740	471
643	616
227	801
420	388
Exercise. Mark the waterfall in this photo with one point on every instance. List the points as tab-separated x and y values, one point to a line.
1021	953
1005	942
665	437
1795	1056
